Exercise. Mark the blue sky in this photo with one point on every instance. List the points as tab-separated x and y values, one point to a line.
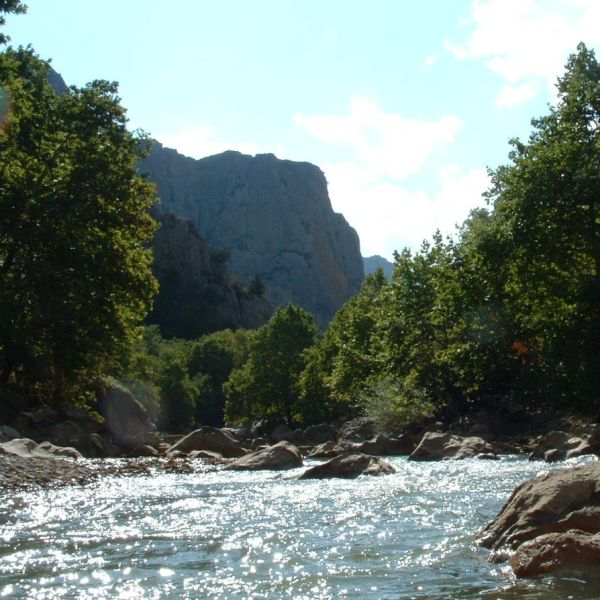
402	104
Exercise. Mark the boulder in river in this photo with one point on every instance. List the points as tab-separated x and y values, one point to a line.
124	417
384	445
209	438
282	455
558	445
26	448
445	446
552	521
348	466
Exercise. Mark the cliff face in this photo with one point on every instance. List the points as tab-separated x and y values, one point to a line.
197	294
273	216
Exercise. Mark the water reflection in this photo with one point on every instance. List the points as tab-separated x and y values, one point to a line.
266	535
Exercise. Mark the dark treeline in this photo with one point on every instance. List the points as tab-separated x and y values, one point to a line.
506	313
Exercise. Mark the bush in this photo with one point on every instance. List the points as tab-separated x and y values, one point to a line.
394	405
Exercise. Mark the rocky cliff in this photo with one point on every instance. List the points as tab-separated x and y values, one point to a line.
197	294
273	216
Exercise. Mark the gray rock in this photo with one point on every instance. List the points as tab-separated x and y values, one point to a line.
282	455
27	448
197	294
209	438
444	446
348	466
124	417
93	445
383	445
275	218
316	434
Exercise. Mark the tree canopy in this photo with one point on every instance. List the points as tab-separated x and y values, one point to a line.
75	275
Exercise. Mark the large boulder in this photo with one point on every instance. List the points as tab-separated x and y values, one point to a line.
572	550
555	502
316	434
26	448
445	446
552	521
210	438
348	466
124	417
282	455
558	445
357	430
383	445
273	216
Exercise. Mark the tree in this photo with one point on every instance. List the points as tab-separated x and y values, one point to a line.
75	276
547	206
7	7
267	385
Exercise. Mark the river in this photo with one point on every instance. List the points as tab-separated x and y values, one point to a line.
230	535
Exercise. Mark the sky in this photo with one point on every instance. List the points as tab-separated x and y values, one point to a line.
403	105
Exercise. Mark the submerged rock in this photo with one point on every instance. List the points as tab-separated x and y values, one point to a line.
348	466
282	455
209	438
553	522
444	446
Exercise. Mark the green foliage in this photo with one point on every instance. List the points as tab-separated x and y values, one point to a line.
178	393
75	277
267	385
511	309
394	406
7	7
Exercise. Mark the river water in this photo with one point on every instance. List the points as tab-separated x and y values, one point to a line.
222	534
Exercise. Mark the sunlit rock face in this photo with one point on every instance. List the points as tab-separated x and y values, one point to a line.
275	218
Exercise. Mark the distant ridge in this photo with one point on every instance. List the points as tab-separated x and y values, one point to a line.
372	263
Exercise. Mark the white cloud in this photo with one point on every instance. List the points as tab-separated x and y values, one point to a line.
513	95
389	217
527	42
388	145
370	189
198	141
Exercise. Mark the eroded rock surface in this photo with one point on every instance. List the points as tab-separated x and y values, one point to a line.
209	438
273	216
552	521
348	466
282	455
445	446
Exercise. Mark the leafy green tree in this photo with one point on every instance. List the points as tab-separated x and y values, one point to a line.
178	393
267	385
75	276
547	204
213	357
7	7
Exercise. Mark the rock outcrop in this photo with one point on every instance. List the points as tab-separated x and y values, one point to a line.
348	466
552	521
282	455
444	446
197	294
273	216
26	448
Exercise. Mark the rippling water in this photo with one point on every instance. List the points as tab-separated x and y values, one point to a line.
220	534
